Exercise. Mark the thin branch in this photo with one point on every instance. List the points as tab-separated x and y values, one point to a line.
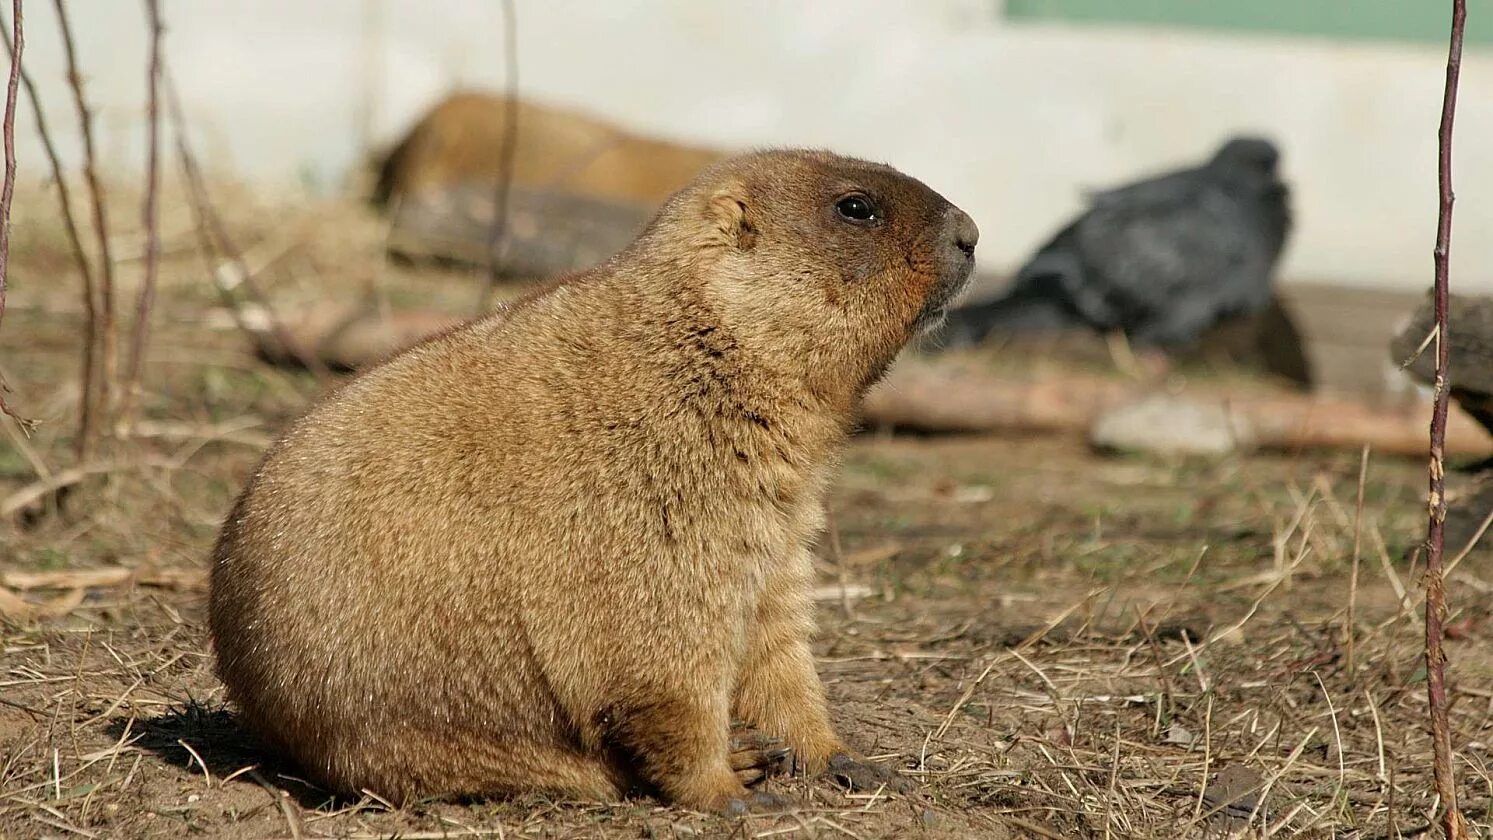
80	256
12	93
1452	821
497	243
371	56
214	239
1363	475
104	332
150	217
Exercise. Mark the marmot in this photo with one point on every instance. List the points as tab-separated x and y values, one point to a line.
563	547
457	143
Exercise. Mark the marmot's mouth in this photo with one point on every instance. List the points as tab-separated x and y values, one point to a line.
929	320
936	307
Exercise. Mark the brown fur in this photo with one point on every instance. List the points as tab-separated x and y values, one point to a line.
562	547
458	142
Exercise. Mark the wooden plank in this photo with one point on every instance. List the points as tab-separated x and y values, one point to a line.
548	232
1347	313
1345	334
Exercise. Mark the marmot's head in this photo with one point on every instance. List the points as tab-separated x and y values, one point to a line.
820	259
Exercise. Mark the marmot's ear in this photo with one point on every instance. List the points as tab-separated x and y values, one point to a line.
732	217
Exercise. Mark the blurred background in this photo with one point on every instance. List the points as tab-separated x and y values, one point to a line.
1014	109
1074	579
1009	107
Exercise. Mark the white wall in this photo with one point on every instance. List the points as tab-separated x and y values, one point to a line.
1009	121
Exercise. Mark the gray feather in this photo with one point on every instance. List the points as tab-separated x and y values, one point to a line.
1164	259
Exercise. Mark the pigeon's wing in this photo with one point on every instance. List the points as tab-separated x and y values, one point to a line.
1167	262
1059	271
1160	189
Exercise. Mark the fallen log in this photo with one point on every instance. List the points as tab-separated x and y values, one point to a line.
348	339
954	395
921	396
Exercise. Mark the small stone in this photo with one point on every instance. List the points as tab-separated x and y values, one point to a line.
1233	798
973	494
1171	425
1060	735
1179	734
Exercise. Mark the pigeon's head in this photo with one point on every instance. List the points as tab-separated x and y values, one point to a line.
1248	154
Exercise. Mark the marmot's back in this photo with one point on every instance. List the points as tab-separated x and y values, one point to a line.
343	601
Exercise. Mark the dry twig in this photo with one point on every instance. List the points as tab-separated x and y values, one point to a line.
1363	474
214	238
498	240
1452	821
150	217
80	253
170	578
103	311
12	91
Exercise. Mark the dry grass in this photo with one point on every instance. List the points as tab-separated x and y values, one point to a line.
1054	644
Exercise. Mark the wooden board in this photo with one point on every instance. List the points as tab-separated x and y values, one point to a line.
548	232
1346	332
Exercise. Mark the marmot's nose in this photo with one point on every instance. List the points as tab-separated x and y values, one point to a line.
966	232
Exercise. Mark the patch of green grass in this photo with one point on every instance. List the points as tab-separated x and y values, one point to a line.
1183	513
47	558
898	522
13	464
880	469
1108	562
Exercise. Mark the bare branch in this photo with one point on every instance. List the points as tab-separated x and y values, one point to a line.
497	243
80	257
214	238
103	333
150	217
1446	790
12	92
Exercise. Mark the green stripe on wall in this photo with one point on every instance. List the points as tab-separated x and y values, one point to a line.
1397	20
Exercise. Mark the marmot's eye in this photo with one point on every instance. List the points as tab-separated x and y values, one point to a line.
856	207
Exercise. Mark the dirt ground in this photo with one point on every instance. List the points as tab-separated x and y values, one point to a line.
1051	642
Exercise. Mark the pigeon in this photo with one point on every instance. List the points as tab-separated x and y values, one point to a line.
1159	261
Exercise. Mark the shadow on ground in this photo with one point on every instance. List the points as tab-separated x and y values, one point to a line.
197	737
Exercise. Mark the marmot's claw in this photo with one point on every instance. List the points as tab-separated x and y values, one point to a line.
756	755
